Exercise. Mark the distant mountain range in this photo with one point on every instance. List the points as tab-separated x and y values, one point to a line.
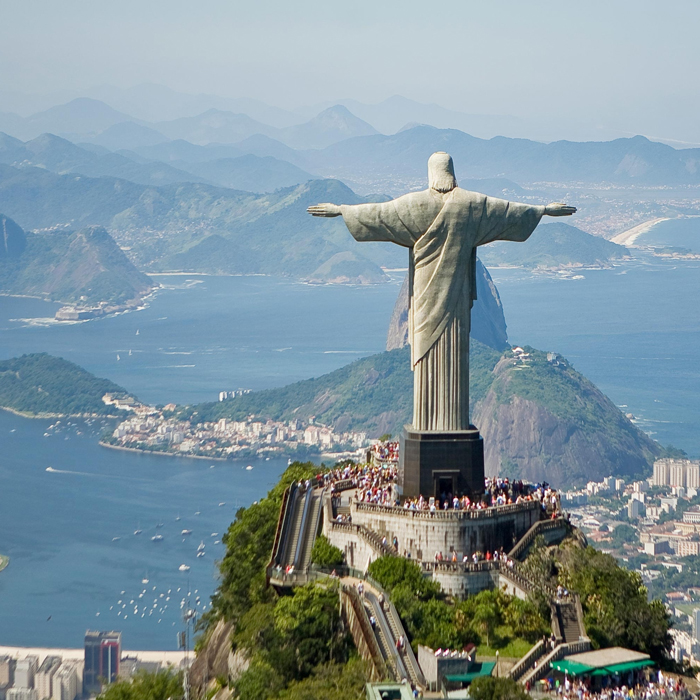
240	171
338	142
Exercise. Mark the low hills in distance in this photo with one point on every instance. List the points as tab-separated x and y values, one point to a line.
195	227
539	417
42	385
553	246
84	266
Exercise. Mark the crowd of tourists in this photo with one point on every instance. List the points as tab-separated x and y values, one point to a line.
497	492
633	686
498	555
385	452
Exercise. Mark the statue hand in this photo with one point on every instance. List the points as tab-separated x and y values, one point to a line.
327	210
559	209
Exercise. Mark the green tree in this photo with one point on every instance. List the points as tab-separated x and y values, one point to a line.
486	618
490	688
163	685
615	603
331	680
249	542
308	623
326	555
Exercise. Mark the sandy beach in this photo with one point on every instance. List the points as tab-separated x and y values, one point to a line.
165	657
629	236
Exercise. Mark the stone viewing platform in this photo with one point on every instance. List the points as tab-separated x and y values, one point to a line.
421	534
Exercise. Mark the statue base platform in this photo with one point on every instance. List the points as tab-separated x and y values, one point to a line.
434	463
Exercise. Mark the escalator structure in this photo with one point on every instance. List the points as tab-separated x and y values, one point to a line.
296	535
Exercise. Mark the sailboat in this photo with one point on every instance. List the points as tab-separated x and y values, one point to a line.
129	353
137	331
138	529
118	358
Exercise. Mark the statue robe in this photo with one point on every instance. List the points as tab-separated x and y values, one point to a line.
441	232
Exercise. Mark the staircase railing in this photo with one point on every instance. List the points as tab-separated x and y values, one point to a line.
540	527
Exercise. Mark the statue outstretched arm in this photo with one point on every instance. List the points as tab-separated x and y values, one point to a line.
326	210
559	209
369	222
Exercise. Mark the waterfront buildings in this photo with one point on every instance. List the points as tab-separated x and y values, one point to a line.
43	680
677	472
102	655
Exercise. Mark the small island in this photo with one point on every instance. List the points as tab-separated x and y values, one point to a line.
4	561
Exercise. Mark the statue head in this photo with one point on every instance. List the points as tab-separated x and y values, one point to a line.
441	172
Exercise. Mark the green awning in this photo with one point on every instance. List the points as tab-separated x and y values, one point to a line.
622	668
573	668
485	668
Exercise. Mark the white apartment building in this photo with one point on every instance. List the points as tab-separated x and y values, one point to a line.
43	681
25	670
65	682
677	472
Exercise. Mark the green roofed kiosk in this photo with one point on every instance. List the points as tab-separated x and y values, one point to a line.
602	663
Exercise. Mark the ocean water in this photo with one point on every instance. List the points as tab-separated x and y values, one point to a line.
201	335
634	330
66	574
679	233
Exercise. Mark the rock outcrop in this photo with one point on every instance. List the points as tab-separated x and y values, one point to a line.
542	420
488	321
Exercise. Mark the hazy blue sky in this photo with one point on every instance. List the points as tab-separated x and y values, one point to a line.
630	64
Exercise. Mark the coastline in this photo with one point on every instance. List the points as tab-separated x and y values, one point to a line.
174	658
162	454
629	236
4	561
183	455
51	416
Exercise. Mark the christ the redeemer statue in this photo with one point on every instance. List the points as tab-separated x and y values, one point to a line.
442	227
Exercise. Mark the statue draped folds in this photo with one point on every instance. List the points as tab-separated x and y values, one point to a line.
442	232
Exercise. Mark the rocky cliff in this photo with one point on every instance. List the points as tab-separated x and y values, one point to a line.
84	266
542	420
488	322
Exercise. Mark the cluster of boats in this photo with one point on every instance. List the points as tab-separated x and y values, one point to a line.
201	548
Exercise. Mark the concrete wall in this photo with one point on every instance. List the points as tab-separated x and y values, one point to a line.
465	532
358	551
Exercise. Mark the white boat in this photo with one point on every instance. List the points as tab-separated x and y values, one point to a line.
50	469
138	531
159	525
137	331
183	567
223	503
156	538
201	546
186	532
144	580
249	468
118	358
200	554
214	534
116	539
178	518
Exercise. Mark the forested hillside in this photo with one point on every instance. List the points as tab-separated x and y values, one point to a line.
41	384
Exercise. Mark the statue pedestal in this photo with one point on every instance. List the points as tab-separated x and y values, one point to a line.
436	463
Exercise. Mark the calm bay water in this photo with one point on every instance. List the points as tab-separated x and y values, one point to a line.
58	527
633	330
